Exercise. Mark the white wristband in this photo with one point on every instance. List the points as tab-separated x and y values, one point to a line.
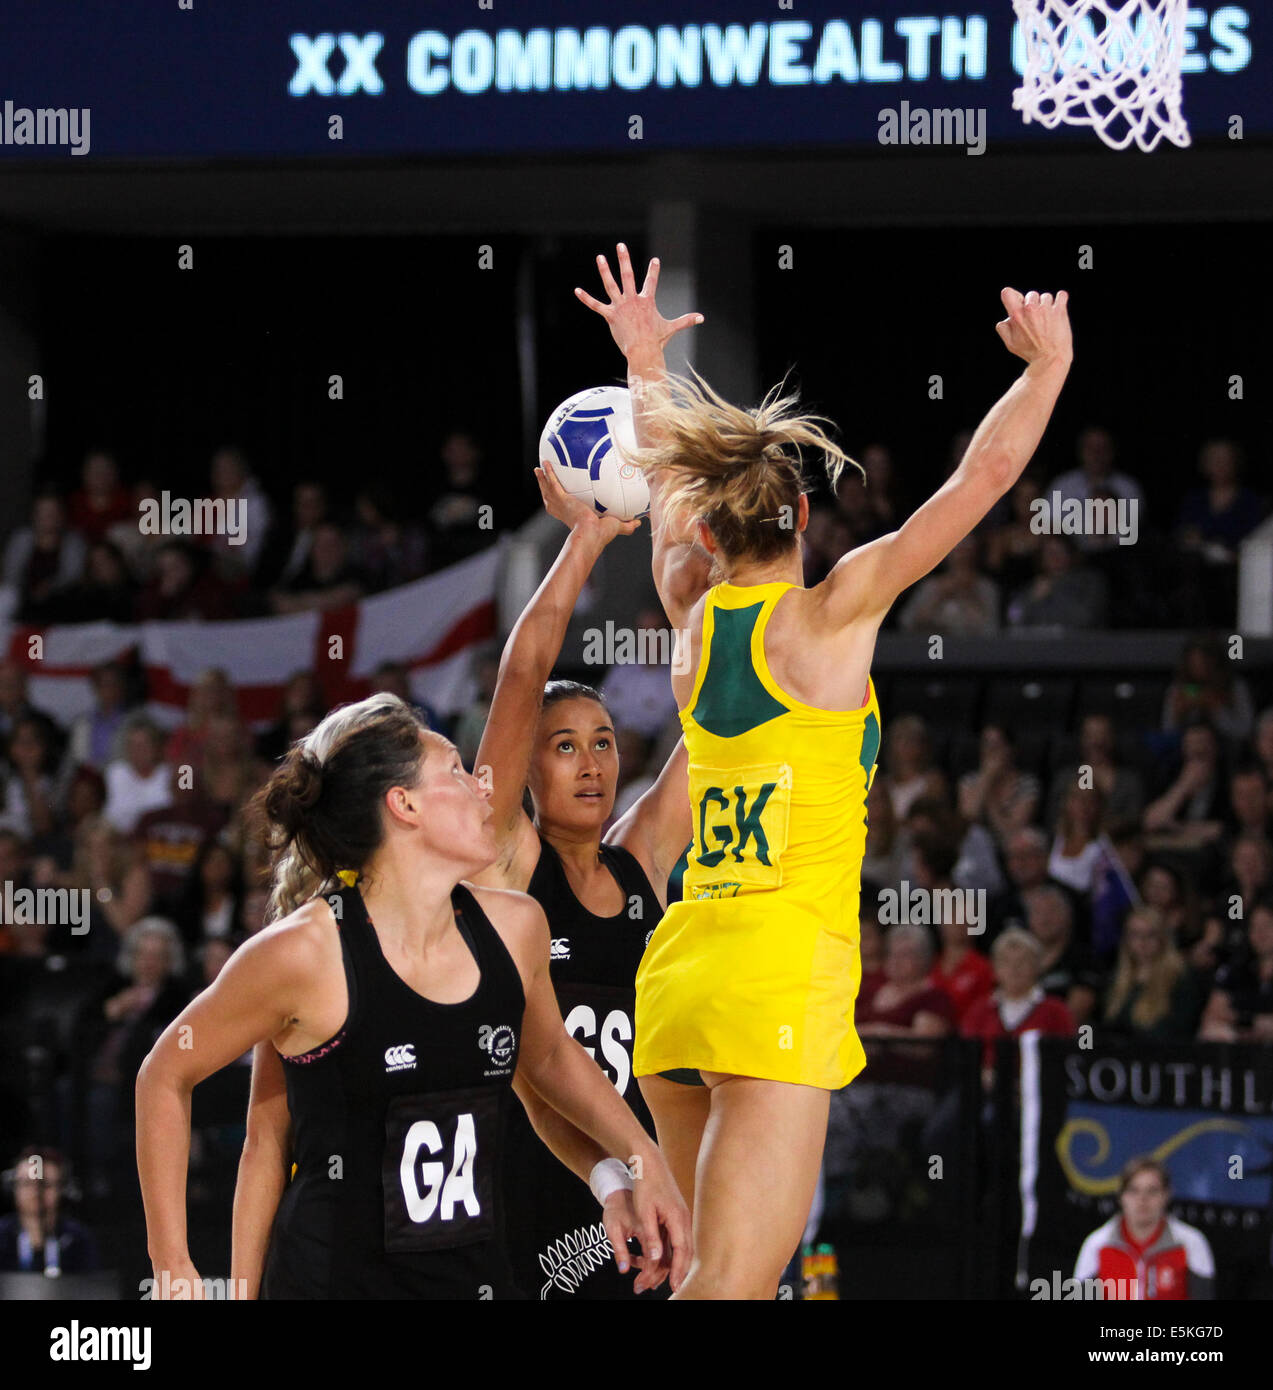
610	1175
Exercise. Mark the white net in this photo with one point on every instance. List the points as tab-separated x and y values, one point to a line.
1113	66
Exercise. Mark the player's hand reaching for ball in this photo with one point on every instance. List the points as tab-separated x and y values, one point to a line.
577	513
635	322
1037	328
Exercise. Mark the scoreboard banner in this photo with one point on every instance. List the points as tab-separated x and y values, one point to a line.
235	79
1203	1109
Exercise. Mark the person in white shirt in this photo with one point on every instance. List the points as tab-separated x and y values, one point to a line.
140	781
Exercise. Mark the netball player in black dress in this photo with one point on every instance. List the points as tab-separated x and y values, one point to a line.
602	897
403	1004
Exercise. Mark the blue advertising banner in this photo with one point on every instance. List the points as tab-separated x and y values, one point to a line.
320	79
1204	1110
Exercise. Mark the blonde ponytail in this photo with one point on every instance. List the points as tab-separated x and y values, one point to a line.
733	468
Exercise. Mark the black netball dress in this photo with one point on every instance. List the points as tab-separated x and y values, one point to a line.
556	1237
397	1127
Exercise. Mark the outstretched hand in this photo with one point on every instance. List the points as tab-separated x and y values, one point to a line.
1037	328
574	511
635	322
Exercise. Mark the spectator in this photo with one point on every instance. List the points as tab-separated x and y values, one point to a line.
1142	1253
140	781
1019	1004
105	593
1263	743
469	727
857	514
1096	476
14	705
1080	843
1250	870
1240	1008
117	877
906	1004
328	578
392	678
638	693
881	487
44	558
1066	970
1163	888
182	588
997	793
309	511
908	770
959	971
1249	808
1205	688
303	704
28	794
1120	785
139	548
882	862
101	500
871	946
390	551
146	996
1152	996
97	737
1026	859
210	695
213	894
1013	548
252	910
976	864
1064	593
459	518
232	480
40	1238
1191	810
827	539
170	839
1213	522
1114	891
958	600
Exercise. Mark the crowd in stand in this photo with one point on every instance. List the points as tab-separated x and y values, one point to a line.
1175	570
1126	876
87	557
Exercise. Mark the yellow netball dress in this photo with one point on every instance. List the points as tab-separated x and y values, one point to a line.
756	970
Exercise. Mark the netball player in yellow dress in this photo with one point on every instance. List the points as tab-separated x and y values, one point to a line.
745	996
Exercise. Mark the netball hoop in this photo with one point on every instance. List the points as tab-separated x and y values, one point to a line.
1112	64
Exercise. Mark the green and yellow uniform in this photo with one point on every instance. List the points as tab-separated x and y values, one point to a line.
756	971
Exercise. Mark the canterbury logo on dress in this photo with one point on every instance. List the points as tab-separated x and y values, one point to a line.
400	1058
498	1042
560	948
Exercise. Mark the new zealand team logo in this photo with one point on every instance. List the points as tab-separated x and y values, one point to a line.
498	1043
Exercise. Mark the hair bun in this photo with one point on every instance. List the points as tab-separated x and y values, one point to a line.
295	793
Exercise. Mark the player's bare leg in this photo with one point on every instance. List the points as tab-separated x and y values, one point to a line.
757	1170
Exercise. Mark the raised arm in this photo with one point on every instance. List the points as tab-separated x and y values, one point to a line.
641	334
263	1169
252	999
867	581
657	828
504	754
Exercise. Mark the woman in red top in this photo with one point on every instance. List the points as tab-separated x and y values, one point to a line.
963	974
1019	1005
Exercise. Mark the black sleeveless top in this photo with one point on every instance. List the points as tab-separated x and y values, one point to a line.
397	1124
556	1237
